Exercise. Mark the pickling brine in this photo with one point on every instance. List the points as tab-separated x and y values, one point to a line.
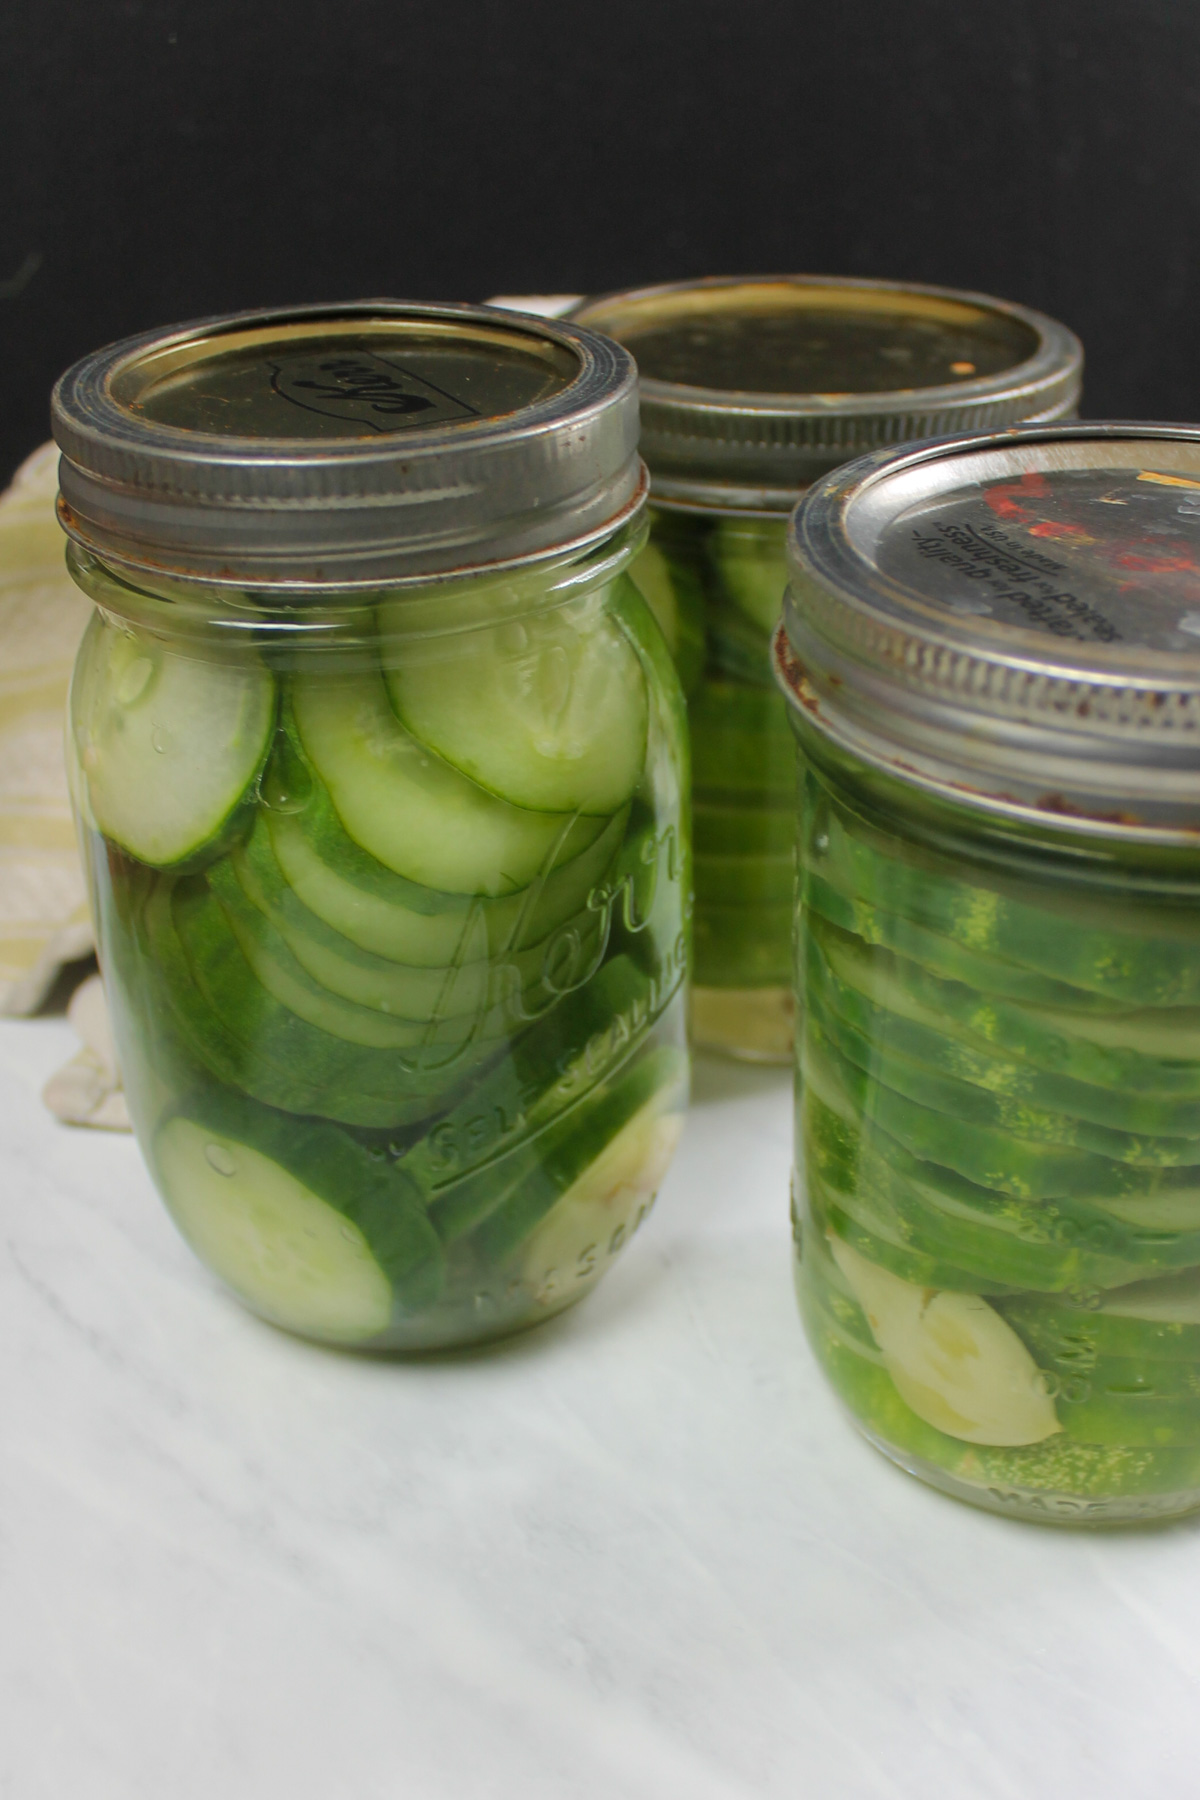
728	574
999	1138
391	885
751	389
997	1181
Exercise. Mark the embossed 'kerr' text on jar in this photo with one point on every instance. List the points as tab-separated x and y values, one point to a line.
378	758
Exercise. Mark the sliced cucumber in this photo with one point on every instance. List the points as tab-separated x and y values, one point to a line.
985	1236
744	880
604	1205
990	1156
561	1156
869	1230
723	830
357	903
298	1219
1147	1321
548	711
978	1106
743	946
400	990
169	744
408	808
283	1249
1090	1050
1139	953
237	1055
284	978
742	745
951	960
365	1084
675	595
750	557
549	1068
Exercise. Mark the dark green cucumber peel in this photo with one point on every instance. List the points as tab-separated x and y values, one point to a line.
1059	1466
1136	953
409	992
352	1082
974	1101
987	1155
743	946
974	1232
1041	1046
943	956
723	830
742	745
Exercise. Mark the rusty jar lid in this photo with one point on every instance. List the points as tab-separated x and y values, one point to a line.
1011	622
754	387
347	444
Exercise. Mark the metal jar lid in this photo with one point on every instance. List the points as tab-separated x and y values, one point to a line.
751	388
1011	622
347	444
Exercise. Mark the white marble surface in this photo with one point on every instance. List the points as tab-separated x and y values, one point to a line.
636	1554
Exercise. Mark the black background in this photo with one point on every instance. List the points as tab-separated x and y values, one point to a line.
160	159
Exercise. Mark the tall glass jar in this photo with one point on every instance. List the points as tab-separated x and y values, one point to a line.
377	757
750	390
990	649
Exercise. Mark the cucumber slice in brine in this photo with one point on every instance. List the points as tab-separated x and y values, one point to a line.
169	745
548	711
407	806
750	556
285	1251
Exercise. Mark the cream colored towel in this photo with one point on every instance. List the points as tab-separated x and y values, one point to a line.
43	908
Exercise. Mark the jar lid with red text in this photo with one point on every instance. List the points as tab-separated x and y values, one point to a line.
1011	620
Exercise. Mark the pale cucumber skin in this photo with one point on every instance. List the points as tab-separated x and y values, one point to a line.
743	754
139	771
547	712
440	1086
1000	1096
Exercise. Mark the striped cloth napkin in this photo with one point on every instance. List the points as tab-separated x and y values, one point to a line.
43	905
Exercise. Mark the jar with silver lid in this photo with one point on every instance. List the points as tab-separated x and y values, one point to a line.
377	758
750	390
991	650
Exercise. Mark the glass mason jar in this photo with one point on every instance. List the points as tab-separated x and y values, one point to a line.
990	650
750	390
377	756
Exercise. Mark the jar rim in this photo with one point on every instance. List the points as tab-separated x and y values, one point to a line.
213	451
751	448
930	631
